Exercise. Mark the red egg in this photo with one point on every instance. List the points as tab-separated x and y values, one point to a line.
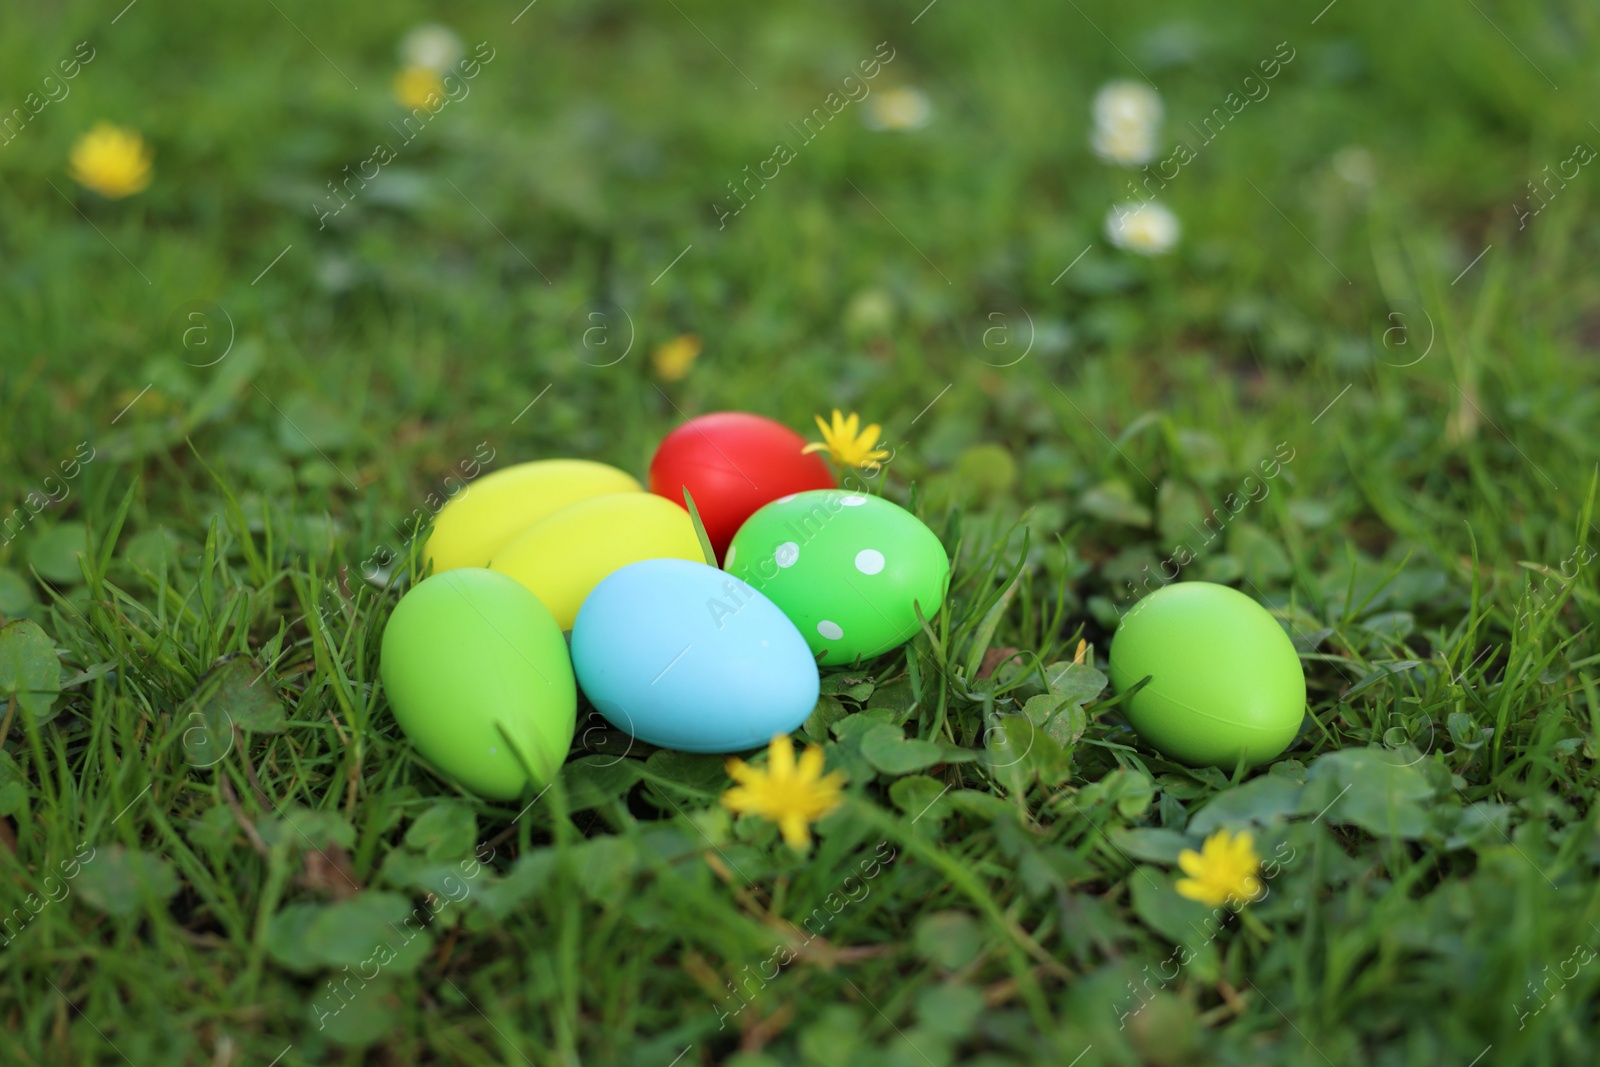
733	463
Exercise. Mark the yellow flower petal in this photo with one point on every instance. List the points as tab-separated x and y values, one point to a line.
1197	891
737	799
780	757
796	833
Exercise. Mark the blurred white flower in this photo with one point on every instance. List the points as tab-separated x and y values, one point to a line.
869	314
902	108
1127	121
1355	166
1125	144
1148	228
431	46
1127	101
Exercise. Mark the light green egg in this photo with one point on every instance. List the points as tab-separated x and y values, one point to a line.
1226	685
848	569
479	679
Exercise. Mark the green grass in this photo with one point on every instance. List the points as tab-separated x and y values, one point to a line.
1428	545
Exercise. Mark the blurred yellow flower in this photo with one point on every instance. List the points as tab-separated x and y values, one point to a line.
792	796
418	87
1222	872
151	401
901	108
675	358
845	445
111	160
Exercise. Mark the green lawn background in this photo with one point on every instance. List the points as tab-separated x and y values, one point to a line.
1354	283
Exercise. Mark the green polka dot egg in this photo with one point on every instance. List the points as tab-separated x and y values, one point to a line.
848	569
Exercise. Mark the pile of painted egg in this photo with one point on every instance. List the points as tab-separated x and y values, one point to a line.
676	652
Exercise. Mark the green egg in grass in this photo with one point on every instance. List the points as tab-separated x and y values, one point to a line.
477	673
848	569
1225	681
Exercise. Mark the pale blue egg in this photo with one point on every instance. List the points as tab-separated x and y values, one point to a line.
688	657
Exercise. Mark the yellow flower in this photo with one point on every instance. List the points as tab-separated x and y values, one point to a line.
673	359
111	160
844	445
793	797
1222	872
151	401
417	87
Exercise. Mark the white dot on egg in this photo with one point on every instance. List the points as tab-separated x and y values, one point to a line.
830	630
869	561
785	499
852	501
786	554
728	560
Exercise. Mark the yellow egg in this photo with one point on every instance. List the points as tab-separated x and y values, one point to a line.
566	555
475	526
